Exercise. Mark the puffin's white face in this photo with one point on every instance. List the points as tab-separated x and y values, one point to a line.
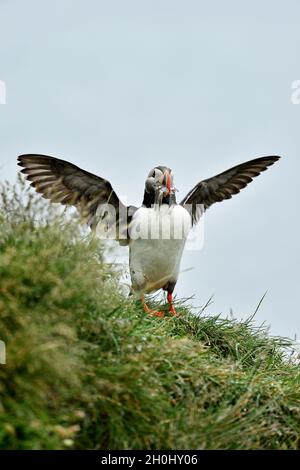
160	179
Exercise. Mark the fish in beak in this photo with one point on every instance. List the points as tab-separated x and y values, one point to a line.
165	189
159	187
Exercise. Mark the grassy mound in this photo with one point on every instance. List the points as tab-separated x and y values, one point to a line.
87	369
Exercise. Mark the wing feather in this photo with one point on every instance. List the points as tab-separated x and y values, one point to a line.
65	183
224	185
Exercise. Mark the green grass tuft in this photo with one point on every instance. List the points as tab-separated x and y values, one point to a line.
87	369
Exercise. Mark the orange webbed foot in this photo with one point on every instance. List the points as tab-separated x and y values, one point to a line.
152	313
157	313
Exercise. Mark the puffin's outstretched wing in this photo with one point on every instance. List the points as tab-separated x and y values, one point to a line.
63	182
224	185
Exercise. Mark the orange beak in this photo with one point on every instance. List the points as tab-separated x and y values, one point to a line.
168	180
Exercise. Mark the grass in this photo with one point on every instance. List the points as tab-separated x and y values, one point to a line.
86	369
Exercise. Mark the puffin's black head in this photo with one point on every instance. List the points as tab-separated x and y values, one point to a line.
159	188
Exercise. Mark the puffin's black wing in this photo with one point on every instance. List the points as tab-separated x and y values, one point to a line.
224	185
63	182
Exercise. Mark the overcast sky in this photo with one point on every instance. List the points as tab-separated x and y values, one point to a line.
120	86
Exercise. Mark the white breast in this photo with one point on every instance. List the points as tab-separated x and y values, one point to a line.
157	239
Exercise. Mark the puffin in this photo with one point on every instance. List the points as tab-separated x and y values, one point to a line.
155	232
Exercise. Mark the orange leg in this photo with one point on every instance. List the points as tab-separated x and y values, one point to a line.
171	306
153	313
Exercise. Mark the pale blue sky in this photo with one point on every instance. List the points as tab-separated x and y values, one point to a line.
118	87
